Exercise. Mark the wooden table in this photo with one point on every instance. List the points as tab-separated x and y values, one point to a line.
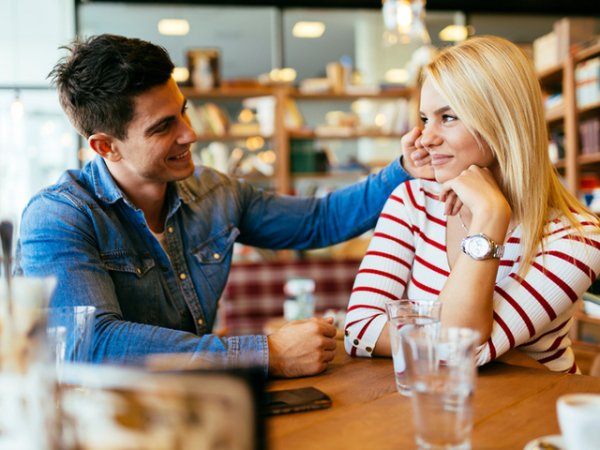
512	405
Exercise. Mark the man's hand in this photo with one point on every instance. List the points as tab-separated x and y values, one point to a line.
416	159
301	347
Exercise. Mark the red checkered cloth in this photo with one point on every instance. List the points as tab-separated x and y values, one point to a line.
254	291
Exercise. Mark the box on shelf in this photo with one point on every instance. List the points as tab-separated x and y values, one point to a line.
570	31
545	52
551	49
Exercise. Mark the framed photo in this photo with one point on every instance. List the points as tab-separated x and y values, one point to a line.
203	66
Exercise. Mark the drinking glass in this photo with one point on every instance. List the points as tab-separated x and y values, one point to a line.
441	368
27	418
404	315
70	334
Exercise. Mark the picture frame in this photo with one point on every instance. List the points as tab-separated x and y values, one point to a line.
204	68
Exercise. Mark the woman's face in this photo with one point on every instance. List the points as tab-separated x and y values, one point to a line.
448	141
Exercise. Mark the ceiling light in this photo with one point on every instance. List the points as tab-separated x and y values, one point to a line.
308	29
404	22
17	110
454	33
173	27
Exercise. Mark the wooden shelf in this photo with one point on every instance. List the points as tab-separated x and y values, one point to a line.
588	53
589	158
583	317
562	77
299	135
226	93
329	175
586	345
555	114
591	110
229	137
382	95
281	139
551	76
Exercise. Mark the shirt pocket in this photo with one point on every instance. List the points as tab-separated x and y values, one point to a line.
127	262
138	287
217	248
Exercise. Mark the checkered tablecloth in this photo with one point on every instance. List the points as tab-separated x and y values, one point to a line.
254	291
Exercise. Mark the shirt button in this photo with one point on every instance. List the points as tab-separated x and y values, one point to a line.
368	349
356	342
200	322
182	276
138	270
170	229
216	256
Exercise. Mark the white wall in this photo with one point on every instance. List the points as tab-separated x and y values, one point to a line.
38	145
30	33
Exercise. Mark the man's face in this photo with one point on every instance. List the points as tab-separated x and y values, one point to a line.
157	146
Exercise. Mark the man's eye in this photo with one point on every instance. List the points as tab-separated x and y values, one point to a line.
162	127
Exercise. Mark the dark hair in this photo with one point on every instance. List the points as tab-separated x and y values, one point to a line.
98	81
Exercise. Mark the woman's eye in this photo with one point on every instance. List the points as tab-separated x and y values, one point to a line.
449	118
423	119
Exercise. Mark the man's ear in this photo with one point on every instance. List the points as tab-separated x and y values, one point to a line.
104	145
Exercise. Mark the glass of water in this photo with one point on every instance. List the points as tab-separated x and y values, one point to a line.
404	315
441	368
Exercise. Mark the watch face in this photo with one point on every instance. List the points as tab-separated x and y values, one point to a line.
477	246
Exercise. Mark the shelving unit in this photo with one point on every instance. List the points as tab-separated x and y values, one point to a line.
280	140
568	116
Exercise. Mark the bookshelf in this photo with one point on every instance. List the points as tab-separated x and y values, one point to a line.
286	129
568	117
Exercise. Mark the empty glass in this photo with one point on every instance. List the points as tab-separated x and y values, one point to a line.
70	333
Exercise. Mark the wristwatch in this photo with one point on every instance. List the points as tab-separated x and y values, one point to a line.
480	247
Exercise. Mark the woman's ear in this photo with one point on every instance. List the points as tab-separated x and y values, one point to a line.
104	145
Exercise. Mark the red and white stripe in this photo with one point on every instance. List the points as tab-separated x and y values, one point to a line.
407	259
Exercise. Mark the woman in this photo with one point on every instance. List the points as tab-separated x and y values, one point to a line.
512	262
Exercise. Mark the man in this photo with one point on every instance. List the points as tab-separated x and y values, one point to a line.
147	238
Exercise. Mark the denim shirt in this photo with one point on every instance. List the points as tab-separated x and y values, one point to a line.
86	233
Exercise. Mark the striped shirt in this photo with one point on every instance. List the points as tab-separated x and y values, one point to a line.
407	259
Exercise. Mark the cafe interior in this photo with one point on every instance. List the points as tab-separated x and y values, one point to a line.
302	99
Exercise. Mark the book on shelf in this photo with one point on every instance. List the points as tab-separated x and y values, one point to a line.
587	82
208	119
244	129
315	86
589	131
307	157
557	146
218	120
293	117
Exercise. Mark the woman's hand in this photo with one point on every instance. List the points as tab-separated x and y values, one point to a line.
416	159
478	191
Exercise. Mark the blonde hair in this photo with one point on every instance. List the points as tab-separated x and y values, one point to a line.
491	85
